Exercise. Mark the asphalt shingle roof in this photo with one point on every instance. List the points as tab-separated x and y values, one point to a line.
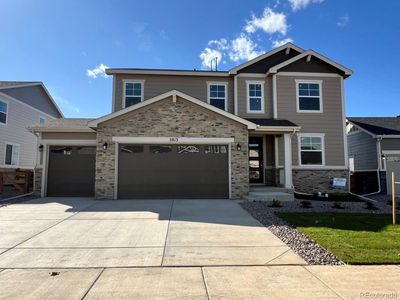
378	125
273	122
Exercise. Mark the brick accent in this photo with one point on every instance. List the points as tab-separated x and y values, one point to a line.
167	118
311	181
37	187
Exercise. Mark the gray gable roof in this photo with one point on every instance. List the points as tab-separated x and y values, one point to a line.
378	125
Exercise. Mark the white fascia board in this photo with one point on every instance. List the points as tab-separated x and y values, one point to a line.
275	69
362	129
173	93
278	128
389	136
171	140
165	72
265	55
55	129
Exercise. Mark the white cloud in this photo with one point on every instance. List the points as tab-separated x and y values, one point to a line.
243	48
100	70
208	55
278	43
221	44
270	22
343	21
300	4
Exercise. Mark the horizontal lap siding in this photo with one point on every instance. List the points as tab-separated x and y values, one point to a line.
362	147
155	85
242	97
329	122
19	118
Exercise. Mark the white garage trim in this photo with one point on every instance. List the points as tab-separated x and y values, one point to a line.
171	140
46	144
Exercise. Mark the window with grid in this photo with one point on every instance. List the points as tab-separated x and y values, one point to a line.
3	112
12	154
133	93
309	96
217	95
255	97
311	150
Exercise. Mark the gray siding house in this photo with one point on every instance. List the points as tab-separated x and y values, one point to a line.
276	120
22	104
374	150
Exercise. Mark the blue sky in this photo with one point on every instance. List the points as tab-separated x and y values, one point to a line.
57	42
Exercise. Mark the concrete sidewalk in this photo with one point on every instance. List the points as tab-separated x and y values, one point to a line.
260	282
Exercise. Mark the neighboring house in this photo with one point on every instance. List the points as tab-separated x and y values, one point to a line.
277	120
22	104
374	149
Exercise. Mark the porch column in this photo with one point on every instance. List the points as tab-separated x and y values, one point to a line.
287	142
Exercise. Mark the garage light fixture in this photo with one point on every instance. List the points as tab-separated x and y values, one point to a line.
238	147
105	146
41	147
383	156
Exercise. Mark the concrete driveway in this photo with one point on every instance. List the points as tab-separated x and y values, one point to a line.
84	233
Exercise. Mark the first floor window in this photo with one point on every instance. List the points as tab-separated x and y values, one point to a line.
133	93
12	154
255	97
311	150
309	96
3	112
217	95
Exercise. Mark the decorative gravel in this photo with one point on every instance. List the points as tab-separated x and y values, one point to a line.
300	243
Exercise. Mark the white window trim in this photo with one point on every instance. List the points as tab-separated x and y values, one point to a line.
320	135
248	82
42	118
319	82
8	104
124	82
5	154
209	83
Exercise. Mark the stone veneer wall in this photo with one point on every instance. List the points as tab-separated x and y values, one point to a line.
169	119
37	183
311	181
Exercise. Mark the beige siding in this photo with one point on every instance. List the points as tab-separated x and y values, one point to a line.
242	97
329	122
69	135
155	85
19	118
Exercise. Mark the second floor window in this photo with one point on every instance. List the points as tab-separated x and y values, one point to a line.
3	112
217	95
133	92
255	97
309	97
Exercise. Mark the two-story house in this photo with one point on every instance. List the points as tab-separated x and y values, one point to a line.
276	120
22	104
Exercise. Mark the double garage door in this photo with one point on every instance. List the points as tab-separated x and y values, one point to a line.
144	171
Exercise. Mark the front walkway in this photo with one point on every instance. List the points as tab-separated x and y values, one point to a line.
76	233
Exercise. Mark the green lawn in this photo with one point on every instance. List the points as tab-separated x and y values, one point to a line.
354	238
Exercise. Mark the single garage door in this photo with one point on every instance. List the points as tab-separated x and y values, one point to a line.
173	171
71	171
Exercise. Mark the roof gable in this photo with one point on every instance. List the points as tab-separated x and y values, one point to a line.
173	94
271	58
378	125
308	56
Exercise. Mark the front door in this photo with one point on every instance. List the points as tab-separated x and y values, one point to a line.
256	170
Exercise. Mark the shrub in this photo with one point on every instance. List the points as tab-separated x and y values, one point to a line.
338	205
275	203
370	206
305	204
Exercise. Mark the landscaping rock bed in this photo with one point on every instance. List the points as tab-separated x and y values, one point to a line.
309	250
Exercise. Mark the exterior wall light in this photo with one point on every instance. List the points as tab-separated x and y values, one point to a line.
105	146
41	147
238	147
383	156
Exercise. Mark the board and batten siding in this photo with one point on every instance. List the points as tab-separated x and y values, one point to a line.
154	85
362	147
330	121
19	118
242	97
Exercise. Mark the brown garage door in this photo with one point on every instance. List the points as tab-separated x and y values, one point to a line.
173	171
71	171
